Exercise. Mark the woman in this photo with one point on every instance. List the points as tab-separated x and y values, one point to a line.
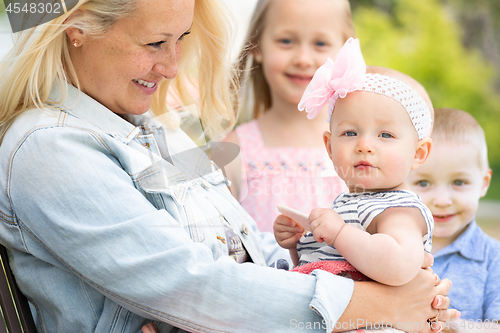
110	225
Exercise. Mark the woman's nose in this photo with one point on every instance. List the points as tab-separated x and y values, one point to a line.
166	64
303	57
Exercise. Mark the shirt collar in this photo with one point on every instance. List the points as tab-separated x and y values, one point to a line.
470	244
88	109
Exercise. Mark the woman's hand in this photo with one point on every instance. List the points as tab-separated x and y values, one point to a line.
440	302
287	232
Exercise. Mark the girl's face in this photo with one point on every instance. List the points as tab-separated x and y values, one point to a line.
298	37
122	69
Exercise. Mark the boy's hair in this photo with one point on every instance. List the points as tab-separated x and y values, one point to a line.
254	90
459	127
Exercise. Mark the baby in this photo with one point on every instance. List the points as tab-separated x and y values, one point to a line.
380	122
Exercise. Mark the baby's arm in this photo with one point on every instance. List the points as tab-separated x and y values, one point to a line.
392	254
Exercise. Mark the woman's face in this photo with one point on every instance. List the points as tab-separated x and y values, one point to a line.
122	69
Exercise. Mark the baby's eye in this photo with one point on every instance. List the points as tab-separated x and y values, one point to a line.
350	133
385	135
320	43
156	45
458	182
423	183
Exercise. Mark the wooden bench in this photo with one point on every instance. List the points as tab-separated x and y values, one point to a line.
15	309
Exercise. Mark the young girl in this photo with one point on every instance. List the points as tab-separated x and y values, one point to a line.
283	159
380	121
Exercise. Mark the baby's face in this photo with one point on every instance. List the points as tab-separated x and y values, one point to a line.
450	183
373	142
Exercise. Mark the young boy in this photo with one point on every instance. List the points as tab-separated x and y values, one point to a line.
451	182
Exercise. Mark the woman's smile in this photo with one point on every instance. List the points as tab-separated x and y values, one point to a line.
146	87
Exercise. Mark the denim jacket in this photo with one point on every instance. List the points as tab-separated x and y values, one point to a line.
108	227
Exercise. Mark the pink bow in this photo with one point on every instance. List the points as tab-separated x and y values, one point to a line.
333	80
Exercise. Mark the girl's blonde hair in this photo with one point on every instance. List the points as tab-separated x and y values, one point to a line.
254	90
40	59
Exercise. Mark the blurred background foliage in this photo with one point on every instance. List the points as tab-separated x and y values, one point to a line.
450	46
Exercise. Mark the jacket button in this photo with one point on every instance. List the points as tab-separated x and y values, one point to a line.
205	183
244	229
146	145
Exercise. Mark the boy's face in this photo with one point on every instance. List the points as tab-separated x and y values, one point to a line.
450	183
373	144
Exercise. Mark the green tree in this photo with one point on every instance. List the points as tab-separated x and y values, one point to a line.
422	39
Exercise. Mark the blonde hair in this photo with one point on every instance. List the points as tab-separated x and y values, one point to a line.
459	127
40	59
254	89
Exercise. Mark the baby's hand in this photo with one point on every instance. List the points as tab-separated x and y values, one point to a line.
325	225
287	232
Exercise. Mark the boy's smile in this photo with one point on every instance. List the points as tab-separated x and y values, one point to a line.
450	183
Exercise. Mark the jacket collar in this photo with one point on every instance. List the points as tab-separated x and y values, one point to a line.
88	109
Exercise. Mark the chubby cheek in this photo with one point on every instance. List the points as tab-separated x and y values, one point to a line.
338	156
398	164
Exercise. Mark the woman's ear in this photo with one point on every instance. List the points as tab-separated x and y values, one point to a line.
423	150
75	35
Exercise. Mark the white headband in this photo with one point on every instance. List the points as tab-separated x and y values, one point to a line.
348	74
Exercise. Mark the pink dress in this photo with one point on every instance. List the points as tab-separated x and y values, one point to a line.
302	178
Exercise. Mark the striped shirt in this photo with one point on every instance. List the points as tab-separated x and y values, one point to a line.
359	210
